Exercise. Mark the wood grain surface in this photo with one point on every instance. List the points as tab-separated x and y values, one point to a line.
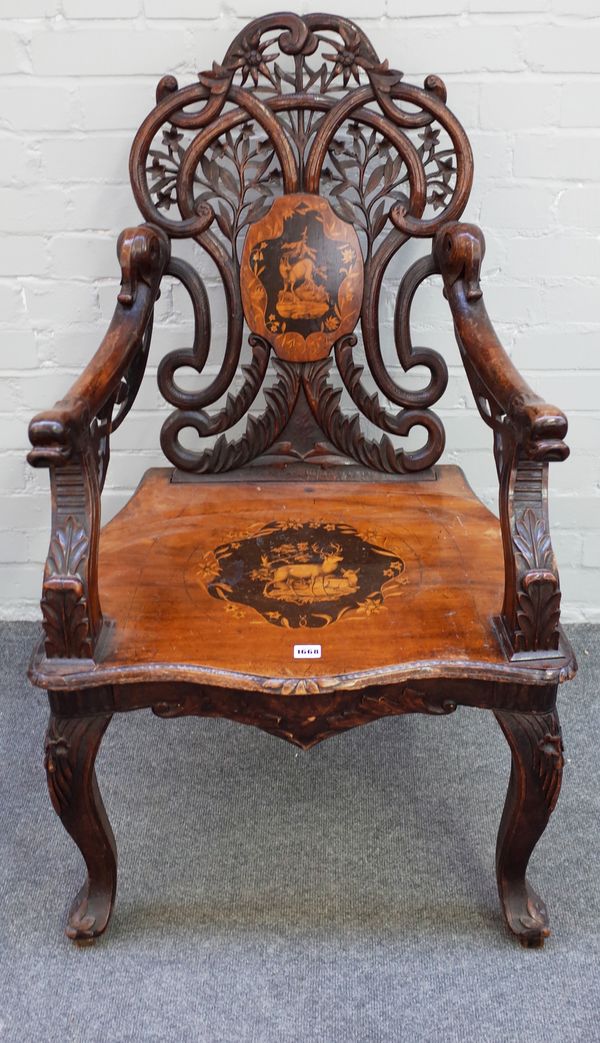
155	567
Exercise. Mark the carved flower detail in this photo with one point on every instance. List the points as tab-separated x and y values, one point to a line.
346	59
252	60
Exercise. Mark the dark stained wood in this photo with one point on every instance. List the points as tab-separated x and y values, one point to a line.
535	780
528	434
390	158
299	149
70	752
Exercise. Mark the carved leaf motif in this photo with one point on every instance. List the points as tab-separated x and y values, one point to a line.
66	623
538	615
345	432
64	606
533	541
538	600
261	432
68	547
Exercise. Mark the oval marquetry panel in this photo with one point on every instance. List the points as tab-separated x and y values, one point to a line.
301	277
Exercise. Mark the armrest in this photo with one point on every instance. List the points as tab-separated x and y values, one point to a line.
528	434
57	433
72	439
539	428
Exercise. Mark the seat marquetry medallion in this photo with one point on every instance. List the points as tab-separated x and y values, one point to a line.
299	574
301	277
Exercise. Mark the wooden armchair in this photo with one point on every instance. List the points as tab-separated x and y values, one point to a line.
302	576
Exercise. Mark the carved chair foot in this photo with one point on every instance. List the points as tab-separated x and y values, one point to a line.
71	747
525	912
89	914
535	779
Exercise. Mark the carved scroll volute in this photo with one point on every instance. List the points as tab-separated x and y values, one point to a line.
143	254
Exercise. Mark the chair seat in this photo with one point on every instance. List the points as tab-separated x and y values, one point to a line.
217	581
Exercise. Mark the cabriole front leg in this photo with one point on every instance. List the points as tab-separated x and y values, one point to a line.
535	779
70	754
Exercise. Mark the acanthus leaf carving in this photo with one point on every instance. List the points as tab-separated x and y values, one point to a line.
261	431
64	603
538	596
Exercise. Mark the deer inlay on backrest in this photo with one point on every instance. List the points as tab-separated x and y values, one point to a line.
302	164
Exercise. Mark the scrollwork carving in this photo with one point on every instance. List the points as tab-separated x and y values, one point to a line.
261	432
142	251
303	104
304	711
345	432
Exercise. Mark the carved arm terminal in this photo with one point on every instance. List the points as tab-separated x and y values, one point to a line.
528	434
73	441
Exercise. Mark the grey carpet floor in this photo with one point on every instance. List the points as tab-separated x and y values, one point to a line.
266	895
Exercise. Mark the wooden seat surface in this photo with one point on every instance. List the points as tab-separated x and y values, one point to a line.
217	581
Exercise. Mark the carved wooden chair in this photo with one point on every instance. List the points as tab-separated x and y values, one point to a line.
301	576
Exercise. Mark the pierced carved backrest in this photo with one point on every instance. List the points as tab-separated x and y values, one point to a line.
301	164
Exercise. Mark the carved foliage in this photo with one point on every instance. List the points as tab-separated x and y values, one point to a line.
537	746
366	176
329	64
313	717
261	432
64	602
63	739
345	432
238	174
302	104
539	597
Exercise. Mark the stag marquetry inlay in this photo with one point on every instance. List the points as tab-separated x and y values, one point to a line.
298	574
301	277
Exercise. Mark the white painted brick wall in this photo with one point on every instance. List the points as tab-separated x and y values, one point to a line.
77	78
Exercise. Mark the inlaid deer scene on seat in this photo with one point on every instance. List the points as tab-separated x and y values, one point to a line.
302	164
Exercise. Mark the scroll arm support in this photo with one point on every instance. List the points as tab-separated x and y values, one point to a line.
72	440
528	434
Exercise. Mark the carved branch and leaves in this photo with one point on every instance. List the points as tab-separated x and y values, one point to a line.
366	176
261	431
238	172
346	432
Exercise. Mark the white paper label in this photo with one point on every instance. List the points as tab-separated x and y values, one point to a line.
307	651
